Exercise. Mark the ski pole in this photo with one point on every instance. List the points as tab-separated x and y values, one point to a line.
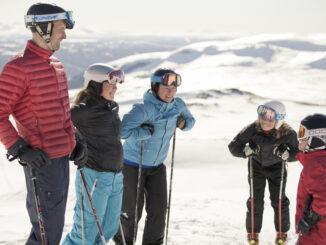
38	206
92	206
122	234
280	201
299	236
252	198
170	189
138	190
82	209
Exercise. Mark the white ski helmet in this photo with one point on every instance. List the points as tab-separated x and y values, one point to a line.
279	109
100	72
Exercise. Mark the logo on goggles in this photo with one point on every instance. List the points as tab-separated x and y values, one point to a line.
305	133
269	113
168	79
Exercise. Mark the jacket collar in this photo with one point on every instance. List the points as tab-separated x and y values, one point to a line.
43	53
305	157
160	105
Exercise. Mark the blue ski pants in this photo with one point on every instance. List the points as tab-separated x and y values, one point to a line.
52	184
107	200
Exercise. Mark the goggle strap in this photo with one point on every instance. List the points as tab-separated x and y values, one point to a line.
280	116
314	132
156	79
47	17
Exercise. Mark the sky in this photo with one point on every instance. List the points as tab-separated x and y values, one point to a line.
184	16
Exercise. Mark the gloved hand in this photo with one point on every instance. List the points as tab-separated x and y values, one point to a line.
282	151
33	157
251	149
309	219
80	153
149	126
181	122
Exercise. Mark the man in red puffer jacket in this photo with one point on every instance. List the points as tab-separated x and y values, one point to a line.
310	215
33	89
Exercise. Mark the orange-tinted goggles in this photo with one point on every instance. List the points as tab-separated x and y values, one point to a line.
168	79
304	133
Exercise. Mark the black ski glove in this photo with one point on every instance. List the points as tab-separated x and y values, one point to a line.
181	122
80	153
149	126
309	219
33	157
282	151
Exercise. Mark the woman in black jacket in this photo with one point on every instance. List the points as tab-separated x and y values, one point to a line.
96	116
268	142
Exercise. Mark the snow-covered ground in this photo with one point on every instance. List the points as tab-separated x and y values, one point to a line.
223	82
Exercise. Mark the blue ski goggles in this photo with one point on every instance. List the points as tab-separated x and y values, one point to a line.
269	113
167	79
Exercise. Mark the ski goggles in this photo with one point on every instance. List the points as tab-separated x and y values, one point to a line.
305	133
167	79
67	16
116	76
269	113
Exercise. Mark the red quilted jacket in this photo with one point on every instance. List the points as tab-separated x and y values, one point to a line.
313	181
34	90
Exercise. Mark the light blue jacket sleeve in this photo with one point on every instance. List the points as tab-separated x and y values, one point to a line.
130	127
190	120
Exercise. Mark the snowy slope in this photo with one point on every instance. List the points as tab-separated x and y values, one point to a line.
223	82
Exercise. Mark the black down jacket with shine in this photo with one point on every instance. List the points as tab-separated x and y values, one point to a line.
99	124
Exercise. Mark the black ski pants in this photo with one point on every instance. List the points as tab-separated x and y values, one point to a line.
52	184
153	192
273	176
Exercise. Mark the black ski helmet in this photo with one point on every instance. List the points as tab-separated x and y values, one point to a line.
154	85
313	128
40	16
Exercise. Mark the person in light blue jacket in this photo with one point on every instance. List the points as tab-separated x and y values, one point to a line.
153	122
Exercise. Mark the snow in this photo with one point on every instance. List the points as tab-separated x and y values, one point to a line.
223	82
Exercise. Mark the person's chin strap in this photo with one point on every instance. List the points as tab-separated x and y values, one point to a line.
46	36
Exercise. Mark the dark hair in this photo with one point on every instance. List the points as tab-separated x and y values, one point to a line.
92	91
154	85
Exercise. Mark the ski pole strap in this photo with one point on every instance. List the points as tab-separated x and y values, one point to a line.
32	172
308	202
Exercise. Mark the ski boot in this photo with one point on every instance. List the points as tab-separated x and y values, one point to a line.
281	238
253	240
